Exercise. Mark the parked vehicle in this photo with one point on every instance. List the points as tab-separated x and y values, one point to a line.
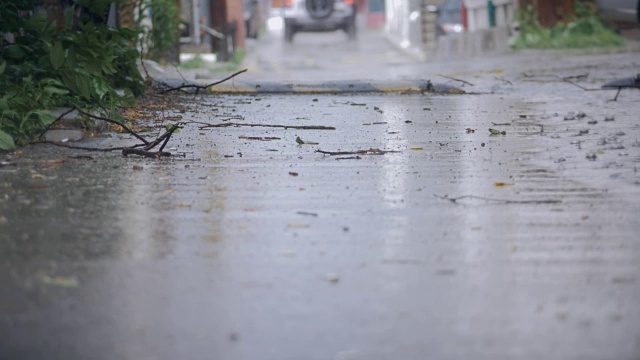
619	10
319	15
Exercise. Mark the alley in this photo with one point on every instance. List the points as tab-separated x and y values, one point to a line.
365	226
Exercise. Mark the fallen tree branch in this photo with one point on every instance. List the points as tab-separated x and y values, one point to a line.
230	124
578	85
503	80
504	201
168	136
55	121
151	154
65	145
203	87
115	122
452	78
579	76
349	158
126	150
164	137
370	151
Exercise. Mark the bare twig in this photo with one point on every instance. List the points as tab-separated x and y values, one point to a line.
230	124
615	98
167	136
65	145
578	85
164	136
452	78
117	123
55	121
349	158
144	67
501	124
204	87
579	76
503	80
259	138
504	201
151	154
370	151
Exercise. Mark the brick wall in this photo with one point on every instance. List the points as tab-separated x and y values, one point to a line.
234	12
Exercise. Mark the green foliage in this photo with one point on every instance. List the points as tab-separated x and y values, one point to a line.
80	65
584	29
238	55
6	141
196	63
157	23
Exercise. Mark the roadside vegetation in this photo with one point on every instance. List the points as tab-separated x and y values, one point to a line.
198	62
79	63
583	29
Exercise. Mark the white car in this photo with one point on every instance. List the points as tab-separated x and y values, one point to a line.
318	15
619	10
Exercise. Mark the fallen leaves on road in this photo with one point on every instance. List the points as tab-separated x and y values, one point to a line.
497	132
305	142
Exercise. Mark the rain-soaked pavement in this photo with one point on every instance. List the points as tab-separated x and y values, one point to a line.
454	244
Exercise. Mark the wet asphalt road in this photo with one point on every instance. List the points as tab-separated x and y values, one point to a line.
248	245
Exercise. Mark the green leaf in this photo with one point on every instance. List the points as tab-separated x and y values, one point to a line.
68	17
100	87
54	90
45	117
299	141
6	141
83	86
169	126
57	55
14	51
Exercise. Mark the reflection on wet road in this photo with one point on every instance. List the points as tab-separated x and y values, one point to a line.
250	248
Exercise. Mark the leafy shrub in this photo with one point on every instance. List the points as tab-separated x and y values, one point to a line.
584	29
156	22
78	65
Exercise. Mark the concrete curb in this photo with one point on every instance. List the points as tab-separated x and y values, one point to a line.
333	87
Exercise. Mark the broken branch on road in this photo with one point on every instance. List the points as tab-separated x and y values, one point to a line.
503	201
203	87
231	124
454	79
578	85
151	154
126	150
370	151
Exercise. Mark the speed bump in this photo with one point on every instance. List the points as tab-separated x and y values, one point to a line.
332	87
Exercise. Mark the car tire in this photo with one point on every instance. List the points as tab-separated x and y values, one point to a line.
289	31
350	28
319	9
